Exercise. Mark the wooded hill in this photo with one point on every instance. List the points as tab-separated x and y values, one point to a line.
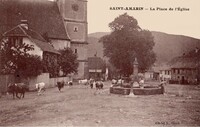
167	46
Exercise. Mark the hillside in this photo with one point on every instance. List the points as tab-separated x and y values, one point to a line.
167	46
94	45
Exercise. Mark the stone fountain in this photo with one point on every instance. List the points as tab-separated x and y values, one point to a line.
134	87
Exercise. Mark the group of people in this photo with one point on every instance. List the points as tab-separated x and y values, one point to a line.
98	84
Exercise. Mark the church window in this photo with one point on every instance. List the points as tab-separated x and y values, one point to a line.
75	29
75	51
75	7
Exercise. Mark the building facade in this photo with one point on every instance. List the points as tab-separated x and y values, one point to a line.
165	73
74	13
184	75
62	22
96	68
185	69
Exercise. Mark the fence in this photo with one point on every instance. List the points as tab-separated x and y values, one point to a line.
53	81
4	81
44	77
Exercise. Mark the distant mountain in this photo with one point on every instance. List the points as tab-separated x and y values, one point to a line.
98	34
167	46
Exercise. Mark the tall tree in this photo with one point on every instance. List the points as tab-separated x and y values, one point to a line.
15	59
68	61
126	42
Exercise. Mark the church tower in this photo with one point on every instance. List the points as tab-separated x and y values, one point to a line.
74	13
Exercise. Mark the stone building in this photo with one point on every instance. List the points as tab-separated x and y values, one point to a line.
74	13
165	73
96	67
185	69
63	23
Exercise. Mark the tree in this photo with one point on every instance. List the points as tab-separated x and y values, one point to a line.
29	65
68	61
15	59
126	42
50	64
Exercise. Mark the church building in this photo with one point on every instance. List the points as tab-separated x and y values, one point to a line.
74	13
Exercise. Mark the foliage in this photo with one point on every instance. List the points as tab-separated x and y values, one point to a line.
50	64
29	65
127	41
68	61
15	59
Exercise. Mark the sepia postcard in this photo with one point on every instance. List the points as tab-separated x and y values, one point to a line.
99	63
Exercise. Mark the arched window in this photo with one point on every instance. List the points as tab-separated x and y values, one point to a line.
75	51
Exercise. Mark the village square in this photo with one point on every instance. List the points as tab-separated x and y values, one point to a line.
53	73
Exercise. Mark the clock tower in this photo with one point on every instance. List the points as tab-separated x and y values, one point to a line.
74	13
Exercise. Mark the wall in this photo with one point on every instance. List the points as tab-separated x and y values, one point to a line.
36	51
165	74
68	11
53	81
60	44
4	81
79	34
189	75
81	70
82	58
81	51
44	77
76	18
148	75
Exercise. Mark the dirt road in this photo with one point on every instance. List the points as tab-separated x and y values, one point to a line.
81	106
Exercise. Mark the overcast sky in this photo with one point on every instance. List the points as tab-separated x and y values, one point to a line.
172	22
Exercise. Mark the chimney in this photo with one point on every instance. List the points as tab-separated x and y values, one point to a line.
24	23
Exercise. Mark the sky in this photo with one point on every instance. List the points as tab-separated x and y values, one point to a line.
186	22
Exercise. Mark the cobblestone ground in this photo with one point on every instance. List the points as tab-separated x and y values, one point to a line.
82	106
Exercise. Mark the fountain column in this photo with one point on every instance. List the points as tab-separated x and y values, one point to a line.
135	67
134	75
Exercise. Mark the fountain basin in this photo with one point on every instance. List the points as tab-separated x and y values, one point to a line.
147	90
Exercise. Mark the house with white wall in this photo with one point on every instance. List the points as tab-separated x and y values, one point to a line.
21	34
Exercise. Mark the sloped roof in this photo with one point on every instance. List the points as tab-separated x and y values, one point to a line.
95	63
164	67
45	46
181	62
190	60
33	36
16	31
42	16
